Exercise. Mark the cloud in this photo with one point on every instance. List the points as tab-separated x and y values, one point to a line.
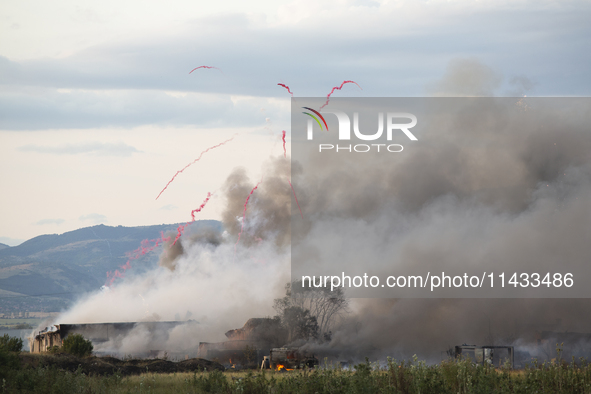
388	57
50	221
94	217
129	82
97	148
169	207
49	108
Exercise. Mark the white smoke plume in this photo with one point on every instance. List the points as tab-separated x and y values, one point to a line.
206	276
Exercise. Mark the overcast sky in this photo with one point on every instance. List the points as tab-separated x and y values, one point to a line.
98	109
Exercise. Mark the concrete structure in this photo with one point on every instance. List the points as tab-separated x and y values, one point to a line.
97	333
495	356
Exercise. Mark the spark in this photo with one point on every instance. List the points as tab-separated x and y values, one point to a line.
197	68
182	227
286	87
338	88
193	162
244	213
145	247
283	138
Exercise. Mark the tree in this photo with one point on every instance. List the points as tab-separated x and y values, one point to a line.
299	323
78	346
9	360
322	303
11	344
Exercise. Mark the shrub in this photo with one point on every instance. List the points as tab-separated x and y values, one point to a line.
78	346
8	361
11	344
54	350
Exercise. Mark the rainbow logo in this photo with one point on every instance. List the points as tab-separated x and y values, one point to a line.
315	118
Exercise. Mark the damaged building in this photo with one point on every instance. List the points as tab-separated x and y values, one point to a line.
246	346
102	333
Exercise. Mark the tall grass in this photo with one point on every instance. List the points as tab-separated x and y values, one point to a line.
395	377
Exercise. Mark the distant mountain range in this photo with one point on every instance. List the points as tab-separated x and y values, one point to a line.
45	272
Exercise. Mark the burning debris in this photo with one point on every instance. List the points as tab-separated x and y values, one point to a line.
290	358
259	342
246	346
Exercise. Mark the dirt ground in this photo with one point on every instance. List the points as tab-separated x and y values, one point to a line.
110	365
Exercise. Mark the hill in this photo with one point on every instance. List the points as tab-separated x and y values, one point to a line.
3	246
46	272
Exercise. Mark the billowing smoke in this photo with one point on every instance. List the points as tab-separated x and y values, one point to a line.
468	77
467	197
476	195
268	210
170	253
202	278
380	328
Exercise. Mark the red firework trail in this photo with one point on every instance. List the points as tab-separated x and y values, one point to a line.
338	88
182	227
296	199
193	162
145	247
286	87
283	138
197	68
244	213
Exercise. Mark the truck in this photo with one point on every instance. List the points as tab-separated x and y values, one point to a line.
288	359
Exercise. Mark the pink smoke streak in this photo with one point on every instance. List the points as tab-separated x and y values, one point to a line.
283	138
197	68
193	162
296	199
286	87
182	227
145	247
244	213
338	88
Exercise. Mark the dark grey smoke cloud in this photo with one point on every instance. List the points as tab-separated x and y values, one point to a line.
428	327
518	199
203	236
483	190
467	77
170	253
268	212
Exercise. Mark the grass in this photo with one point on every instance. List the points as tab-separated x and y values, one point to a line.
396	377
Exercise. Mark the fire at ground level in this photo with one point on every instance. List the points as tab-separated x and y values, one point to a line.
259	344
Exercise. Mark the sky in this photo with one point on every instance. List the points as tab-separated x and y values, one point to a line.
98	109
